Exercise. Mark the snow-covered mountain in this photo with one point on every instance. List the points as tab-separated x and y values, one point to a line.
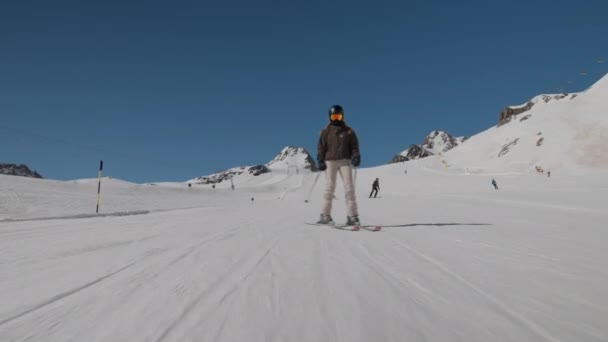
290	157
437	142
18	170
221	176
548	132
509	112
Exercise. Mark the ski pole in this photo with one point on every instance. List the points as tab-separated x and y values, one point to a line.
312	187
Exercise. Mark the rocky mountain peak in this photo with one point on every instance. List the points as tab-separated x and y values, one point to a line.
436	142
18	170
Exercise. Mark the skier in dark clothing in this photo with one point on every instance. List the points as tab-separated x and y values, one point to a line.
338	153
494	183
375	188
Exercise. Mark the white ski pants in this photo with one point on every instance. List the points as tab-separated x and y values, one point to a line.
333	168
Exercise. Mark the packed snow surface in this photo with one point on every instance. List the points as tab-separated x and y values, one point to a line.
455	261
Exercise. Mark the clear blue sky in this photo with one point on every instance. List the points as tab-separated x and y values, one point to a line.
167	91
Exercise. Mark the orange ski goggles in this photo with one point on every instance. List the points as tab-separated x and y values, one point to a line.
336	117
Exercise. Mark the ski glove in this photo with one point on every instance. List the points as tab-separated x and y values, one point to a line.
356	161
322	166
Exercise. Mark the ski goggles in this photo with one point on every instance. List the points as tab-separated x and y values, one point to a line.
336	117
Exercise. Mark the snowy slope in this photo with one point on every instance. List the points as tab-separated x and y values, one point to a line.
555	134
456	261
546	98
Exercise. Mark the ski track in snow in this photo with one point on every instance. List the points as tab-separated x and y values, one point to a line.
485	266
499	304
218	286
529	204
62	296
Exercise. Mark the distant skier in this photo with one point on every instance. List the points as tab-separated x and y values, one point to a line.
495	184
548	174
375	188
337	149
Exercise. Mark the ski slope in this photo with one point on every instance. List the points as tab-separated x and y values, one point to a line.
456	260
558	133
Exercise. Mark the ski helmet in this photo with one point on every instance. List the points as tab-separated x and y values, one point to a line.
336	109
336	113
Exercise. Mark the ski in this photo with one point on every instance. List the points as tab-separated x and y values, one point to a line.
370	228
336	226
345	227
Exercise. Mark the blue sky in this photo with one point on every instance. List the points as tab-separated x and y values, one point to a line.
167	91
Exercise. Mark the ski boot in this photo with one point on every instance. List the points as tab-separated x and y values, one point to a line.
353	221
326	219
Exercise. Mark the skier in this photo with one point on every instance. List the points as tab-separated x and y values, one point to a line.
337	149
375	188
548	174
494	183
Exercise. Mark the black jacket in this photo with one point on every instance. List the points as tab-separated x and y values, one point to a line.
337	142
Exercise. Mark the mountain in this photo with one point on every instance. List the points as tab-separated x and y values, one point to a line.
551	131
437	142
228	174
290	159
509	112
294	157
18	170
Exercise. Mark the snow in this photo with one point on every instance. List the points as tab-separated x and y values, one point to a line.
437	142
456	260
290	157
546	99
573	133
289	160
